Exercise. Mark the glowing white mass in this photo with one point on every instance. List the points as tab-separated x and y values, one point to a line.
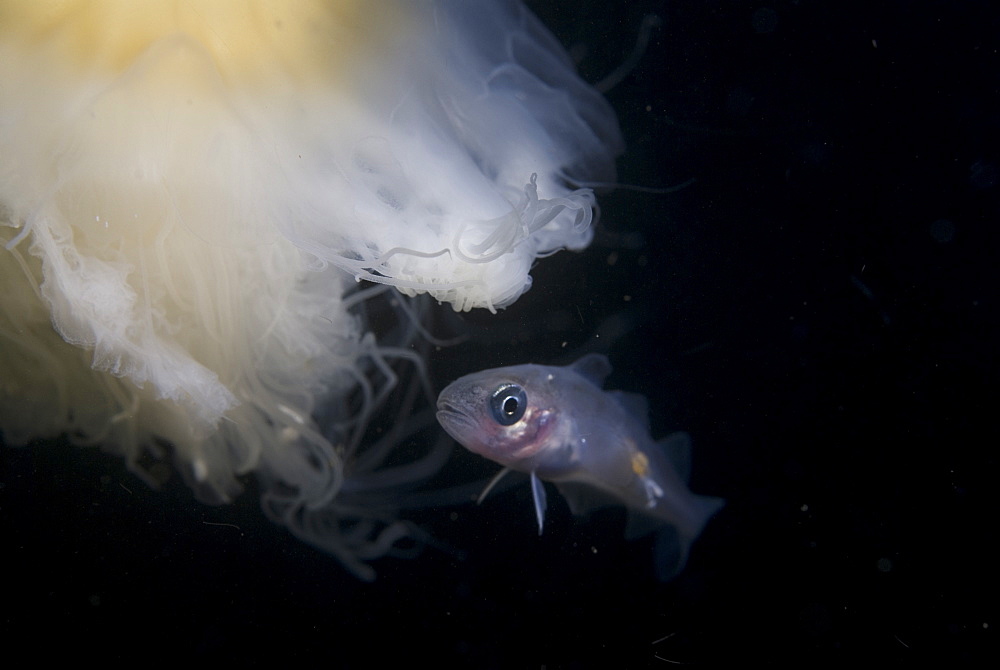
189	192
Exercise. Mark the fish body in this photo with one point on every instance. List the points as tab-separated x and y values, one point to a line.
556	424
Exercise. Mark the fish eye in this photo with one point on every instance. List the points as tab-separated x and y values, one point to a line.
508	404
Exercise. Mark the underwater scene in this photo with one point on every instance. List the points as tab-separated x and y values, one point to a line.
498	334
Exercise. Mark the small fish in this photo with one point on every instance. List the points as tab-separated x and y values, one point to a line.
557	425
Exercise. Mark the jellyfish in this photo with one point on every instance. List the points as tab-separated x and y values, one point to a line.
197	198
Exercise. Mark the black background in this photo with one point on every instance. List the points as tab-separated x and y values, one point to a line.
817	309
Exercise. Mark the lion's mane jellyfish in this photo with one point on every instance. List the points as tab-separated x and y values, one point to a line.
191	192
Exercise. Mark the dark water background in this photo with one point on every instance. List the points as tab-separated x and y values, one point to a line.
818	309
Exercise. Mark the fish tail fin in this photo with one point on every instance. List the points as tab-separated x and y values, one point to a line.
703	509
672	544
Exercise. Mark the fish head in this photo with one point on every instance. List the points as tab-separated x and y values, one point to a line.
508	415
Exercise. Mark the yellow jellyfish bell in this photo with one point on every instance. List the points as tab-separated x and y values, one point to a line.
190	191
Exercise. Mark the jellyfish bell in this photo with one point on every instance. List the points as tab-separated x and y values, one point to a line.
189	195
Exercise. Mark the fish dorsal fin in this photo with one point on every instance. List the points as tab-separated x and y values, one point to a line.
538	493
677	447
635	404
593	367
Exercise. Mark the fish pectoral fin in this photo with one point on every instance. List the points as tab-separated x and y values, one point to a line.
538	492
489	487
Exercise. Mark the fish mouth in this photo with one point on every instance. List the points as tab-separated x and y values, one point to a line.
454	421
447	409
